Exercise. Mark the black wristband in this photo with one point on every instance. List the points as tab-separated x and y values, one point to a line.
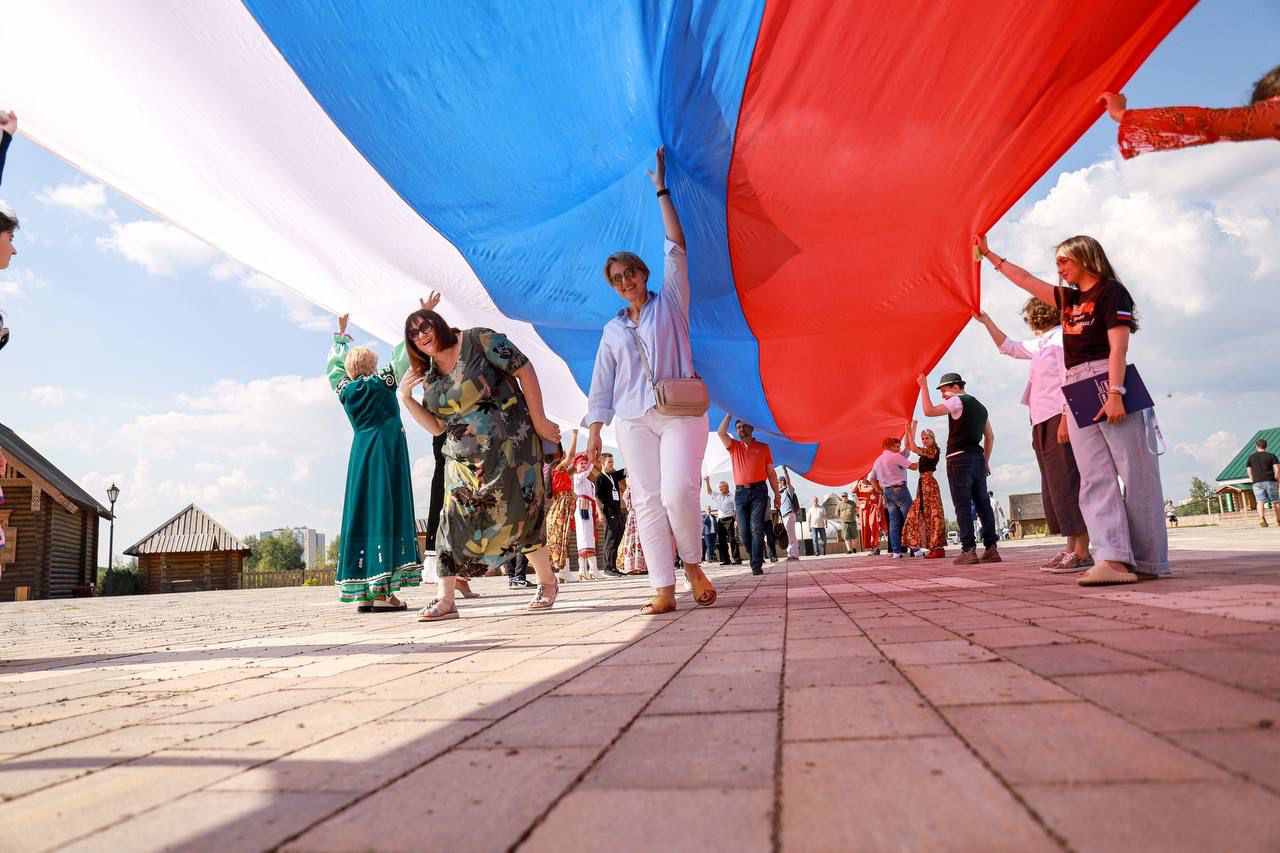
663	191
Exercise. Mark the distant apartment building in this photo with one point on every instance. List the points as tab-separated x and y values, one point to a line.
311	541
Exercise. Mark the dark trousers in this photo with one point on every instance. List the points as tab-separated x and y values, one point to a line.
770	538
897	502
751	502
517	566
708	546
967	477
727	542
1059	479
615	525
437	491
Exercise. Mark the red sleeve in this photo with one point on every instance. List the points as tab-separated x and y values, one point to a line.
1165	128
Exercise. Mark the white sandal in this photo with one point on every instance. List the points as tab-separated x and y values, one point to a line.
433	613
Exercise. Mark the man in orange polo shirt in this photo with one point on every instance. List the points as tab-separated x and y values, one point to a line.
752	467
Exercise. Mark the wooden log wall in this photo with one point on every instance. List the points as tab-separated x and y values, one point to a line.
205	569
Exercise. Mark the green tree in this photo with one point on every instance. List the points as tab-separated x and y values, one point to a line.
255	552
1201	493
331	553
279	553
1200	490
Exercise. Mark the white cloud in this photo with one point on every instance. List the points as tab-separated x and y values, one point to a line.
1216	450
86	199
20	282
160	248
47	395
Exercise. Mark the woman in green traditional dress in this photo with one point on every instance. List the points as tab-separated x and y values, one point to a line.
482	392
378	550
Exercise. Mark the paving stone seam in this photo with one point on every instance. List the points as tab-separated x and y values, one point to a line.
1004	783
775	838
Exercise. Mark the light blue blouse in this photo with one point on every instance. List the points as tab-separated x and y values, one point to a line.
618	382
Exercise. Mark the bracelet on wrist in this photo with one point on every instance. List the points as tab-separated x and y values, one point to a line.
663	191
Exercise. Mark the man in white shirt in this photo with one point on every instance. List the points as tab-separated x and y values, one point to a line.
890	471
726	523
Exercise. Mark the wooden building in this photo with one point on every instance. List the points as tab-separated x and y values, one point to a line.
50	526
190	552
1027	516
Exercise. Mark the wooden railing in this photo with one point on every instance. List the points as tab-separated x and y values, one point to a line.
291	577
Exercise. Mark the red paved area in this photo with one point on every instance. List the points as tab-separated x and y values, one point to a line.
838	704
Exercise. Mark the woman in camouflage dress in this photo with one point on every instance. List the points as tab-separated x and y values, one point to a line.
482	392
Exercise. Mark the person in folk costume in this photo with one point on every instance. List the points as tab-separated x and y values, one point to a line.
870	514
378	546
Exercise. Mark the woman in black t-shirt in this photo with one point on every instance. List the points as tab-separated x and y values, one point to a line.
1127	529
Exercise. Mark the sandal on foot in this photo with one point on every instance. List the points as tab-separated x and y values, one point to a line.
434	612
544	600
464	586
704	593
390	605
1103	574
656	607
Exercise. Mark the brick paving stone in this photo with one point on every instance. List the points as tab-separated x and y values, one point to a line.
1170	701
863	711
1070	742
1146	640
361	759
825	647
1022	635
1077	659
36	770
641	821
667	752
909	634
226	821
939	651
642	678
918	794
983	684
54	816
553	721
691	693
841	671
1255	753
1168	816
1244	668
456	802
475	701
1085	622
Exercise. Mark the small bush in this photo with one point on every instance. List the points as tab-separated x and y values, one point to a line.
311	582
121	581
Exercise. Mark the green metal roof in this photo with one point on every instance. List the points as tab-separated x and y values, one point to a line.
1237	469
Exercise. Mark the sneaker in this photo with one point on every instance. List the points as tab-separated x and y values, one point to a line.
757	571
1057	558
990	555
967	558
613	573
897	555
1068	564
518	582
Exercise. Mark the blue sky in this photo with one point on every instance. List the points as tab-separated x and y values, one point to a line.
161	366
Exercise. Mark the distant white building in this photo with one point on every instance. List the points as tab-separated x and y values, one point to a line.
312	542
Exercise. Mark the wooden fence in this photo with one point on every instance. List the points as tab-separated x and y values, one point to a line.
291	577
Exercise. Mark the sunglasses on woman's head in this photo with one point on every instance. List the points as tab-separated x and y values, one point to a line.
629	273
419	332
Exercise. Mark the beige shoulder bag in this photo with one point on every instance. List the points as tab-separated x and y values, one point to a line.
679	398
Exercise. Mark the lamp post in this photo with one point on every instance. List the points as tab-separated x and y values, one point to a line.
112	494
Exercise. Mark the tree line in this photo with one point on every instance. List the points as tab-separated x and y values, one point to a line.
280	552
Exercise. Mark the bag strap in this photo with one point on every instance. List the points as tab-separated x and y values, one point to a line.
644	359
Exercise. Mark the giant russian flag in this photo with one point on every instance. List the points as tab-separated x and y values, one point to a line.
830	161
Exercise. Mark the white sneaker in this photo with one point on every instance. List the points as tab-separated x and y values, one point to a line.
897	556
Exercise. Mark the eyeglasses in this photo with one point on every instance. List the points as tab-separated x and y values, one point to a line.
629	273
419	332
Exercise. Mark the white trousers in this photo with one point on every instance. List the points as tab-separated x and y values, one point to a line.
793	544
664	469
1127	525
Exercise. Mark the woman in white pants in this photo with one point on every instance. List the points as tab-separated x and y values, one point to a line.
663	453
1127	527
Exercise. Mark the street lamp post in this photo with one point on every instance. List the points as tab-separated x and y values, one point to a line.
113	494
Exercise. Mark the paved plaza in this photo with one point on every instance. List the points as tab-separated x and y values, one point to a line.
846	703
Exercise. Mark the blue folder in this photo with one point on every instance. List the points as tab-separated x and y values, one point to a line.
1085	398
